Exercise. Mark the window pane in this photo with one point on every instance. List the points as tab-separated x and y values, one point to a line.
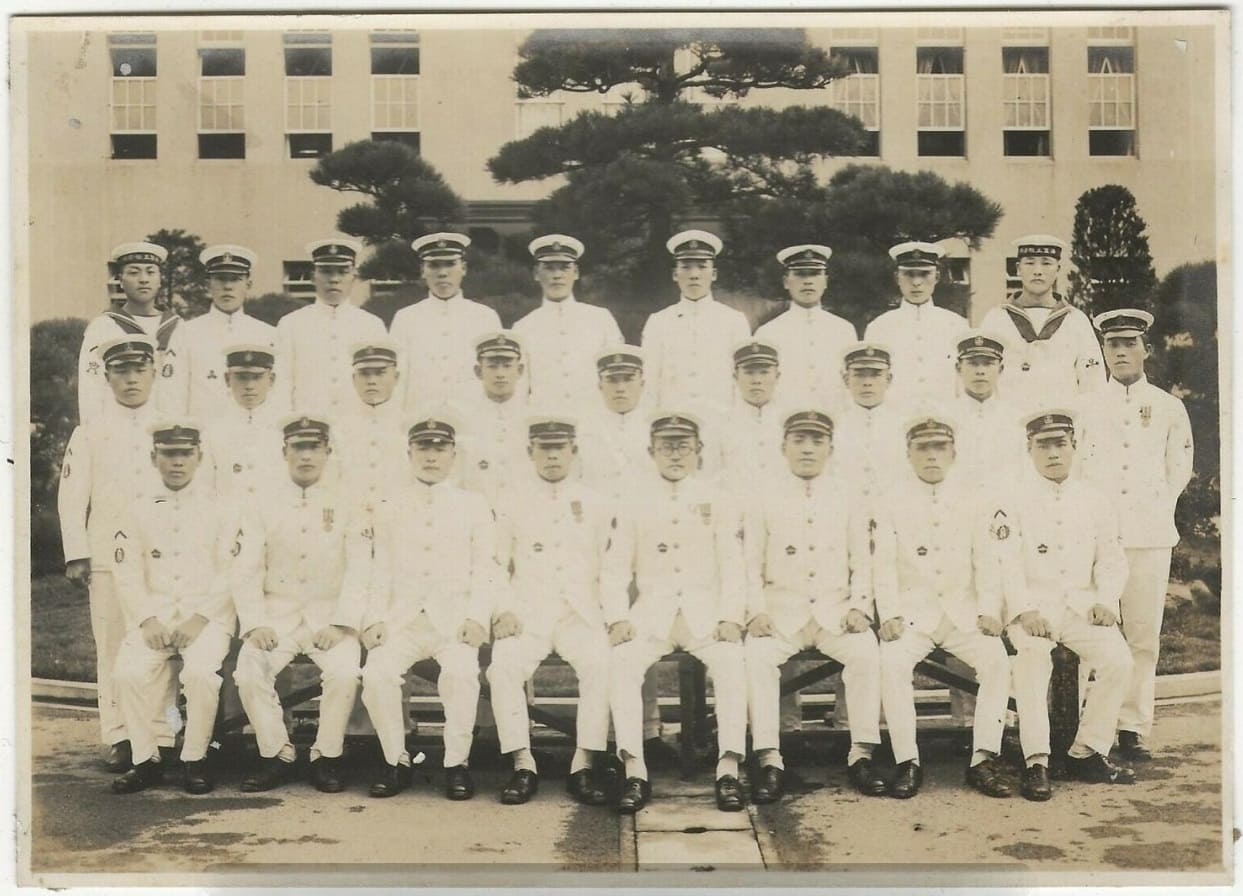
1115	60
133	146
394	60
308	61
222	63
1111	143
1025	60
309	146
861	60
222	146
938	60
133	62
1027	143
942	143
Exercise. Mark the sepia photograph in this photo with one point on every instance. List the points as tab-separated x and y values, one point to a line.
535	448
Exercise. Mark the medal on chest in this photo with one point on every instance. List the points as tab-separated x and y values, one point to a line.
576	508
328	519
1145	415
705	513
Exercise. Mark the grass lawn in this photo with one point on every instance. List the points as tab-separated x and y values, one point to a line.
62	646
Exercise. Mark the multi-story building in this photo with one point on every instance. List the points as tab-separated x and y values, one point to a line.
215	132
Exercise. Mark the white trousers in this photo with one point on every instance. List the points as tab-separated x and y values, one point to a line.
256	685
1143	606
986	655
143	679
514	661
1099	647
457	685
860	659
726	667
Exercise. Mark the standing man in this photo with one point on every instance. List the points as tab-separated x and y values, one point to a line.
553	536
868	435
1066	571
562	335
313	343
934	532
810	338
106	468
1053	353
243	434
137	269
751	433
689	345
174	577
810	584
493	448
295	599
680	539
371	456
988	440
225	324
433	587
920	335
435	336
1132	424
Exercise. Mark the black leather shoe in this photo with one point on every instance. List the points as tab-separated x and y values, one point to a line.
140	777
658	754
271	773
326	775
635	795
458	783
1132	748
118	757
1097	769
987	778
866	778
583	786
907	778
729	794
1036	786
523	784
196	778
769	785
392	781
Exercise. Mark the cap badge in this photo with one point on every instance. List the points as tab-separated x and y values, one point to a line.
979	340
441	244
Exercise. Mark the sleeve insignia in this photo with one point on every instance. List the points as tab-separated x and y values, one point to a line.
167	371
118	556
92	367
999	529
237	544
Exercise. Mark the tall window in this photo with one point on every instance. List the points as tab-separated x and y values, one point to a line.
941	100
222	71
133	95
395	86
299	279
1025	100
859	94
308	94
1111	97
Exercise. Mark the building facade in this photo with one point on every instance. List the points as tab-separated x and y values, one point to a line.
215	132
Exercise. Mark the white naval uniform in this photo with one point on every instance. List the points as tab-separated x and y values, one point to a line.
314	360
922	341
1053	363
688	351
810	343
1137	447
560	342
938	540
868	446
436	340
554	533
682	542
750	448
298	545
206	337
434	569
808	558
370	445
612	450
492	447
107	466
169	392
989	440
174	560
1065	556
247	447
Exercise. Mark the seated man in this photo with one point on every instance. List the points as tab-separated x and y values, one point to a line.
680	539
294	600
934	534
810	585
1065	572
433	586
173	564
553	533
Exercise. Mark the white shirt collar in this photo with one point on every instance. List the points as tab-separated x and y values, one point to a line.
452	300
1126	390
683	301
546	302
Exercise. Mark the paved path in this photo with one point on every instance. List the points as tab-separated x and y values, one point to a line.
1171	820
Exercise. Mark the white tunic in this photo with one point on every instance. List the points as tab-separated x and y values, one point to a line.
436	339
751	447
314	356
612	450
247	446
370	445
560	342
869	450
922	340
990	441
810	343
169	391
206	337
689	355
492	445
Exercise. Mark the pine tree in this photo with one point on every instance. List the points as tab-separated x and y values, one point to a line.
1109	248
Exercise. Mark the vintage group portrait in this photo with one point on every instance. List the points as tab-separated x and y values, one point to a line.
770	448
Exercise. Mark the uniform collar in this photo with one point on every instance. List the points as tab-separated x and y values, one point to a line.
383	409
695	304
1116	386
190	490
216	314
807	311
766	411
555	306
456	299
333	310
910	309
144	410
